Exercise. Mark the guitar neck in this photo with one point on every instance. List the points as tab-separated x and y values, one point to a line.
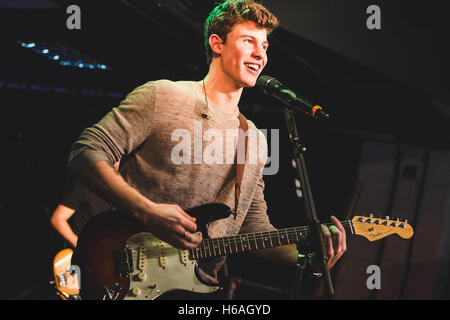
253	241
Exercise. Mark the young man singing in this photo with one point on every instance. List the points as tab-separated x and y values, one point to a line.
156	179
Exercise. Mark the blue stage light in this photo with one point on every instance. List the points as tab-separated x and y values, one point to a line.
65	55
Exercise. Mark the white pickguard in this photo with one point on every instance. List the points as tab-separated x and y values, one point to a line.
160	268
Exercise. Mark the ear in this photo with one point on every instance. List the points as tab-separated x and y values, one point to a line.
215	42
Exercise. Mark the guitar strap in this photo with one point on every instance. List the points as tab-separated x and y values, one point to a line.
241	158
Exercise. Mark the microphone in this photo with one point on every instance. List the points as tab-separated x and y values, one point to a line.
274	88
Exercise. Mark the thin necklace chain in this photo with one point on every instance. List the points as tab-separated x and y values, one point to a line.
204	91
205	108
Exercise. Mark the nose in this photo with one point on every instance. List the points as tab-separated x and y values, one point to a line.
260	54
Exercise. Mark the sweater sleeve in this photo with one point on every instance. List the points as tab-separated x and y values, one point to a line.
119	132
257	218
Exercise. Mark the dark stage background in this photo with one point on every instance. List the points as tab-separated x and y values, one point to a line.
385	150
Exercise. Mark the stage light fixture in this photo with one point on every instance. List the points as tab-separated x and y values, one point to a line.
69	57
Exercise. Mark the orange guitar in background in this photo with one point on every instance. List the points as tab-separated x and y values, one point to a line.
66	283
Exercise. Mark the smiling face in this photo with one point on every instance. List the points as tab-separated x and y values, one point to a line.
244	54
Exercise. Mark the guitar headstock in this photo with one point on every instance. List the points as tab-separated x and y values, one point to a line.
377	228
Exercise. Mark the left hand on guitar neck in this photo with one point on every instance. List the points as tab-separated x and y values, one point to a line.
335	241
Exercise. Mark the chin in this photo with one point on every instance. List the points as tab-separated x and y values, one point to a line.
249	82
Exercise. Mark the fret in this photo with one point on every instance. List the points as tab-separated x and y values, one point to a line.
297	233
283	241
256	244
236	244
274	236
245	247
204	247
204	250
209	249
225	245
291	235
229	243
249	247
263	240
251	237
199	251
287	237
196	254
213	248
242	243
218	246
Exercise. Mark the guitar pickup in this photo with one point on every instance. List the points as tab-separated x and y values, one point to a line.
123	262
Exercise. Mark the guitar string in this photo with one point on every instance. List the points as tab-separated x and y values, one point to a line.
268	234
263	235
275	233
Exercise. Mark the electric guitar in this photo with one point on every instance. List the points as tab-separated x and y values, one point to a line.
119	260
66	284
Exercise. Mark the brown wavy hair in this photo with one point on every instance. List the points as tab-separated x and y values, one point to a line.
225	15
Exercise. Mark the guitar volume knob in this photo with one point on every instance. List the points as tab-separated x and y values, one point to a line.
136	292
142	276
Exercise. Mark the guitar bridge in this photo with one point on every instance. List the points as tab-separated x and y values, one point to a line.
123	261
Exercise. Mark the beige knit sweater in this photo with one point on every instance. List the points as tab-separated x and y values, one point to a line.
171	154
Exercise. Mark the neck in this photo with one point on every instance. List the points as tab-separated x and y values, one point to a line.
222	92
253	241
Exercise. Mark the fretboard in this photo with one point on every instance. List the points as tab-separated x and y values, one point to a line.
217	247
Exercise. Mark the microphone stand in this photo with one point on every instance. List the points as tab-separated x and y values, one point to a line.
317	242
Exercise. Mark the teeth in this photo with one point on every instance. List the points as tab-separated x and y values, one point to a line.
252	66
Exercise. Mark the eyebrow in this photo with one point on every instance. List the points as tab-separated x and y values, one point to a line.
250	36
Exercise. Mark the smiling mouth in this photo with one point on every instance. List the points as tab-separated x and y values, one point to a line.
253	66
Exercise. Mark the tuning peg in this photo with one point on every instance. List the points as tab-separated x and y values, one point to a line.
371	215
386	217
